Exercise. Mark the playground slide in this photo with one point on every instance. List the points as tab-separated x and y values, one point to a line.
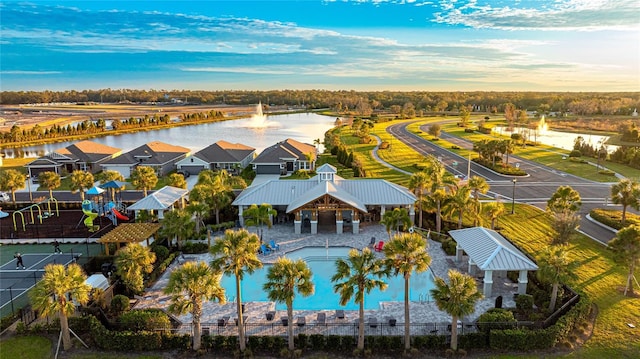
119	215
87	210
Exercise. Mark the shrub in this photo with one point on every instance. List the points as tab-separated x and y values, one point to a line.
384	145
496	318
575	153
469	130
144	319
195	247
161	252
119	304
449	247
524	303
613	217
455	147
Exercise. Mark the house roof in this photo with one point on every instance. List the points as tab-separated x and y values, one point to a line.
160	199
152	153
226	152
357	192
326	168
43	162
85	151
287	149
491	251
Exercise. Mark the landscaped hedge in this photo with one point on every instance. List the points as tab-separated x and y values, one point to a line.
144	319
157	271
613	217
522	339
195	247
222	226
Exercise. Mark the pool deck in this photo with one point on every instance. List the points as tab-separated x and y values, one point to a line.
421	312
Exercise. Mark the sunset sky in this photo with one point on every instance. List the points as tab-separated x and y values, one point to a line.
438	45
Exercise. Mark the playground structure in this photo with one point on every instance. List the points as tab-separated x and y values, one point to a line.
30	210
100	207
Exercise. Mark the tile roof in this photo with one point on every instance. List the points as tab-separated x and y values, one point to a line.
491	251
154	153
86	151
287	149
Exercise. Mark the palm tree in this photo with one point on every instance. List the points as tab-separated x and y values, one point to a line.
81	181
132	263
434	202
177	180
626	247
478	185
356	276
555	267
177	224
396	219
216	189
564	199
190	285
144	178
460	202
237	254
198	210
12	180
418	184
458	298
49	180
284	278
493	210
108	176
258	216
56	292
407	253
626	193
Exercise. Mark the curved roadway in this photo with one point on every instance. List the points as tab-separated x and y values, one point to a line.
534	189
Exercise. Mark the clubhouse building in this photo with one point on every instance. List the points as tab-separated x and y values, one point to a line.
327	201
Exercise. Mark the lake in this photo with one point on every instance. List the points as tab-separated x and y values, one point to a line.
256	131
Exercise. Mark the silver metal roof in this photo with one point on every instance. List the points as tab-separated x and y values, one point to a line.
160	199
491	251
357	192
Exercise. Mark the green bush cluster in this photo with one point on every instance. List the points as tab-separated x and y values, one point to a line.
161	252
267	344
135	341
496	318
473	340
505	170
469	130
222	226
524	303
195	247
522	339
449	246
161	267
119	303
575	153
384	145
220	343
613	218
144	319
607	172
430	342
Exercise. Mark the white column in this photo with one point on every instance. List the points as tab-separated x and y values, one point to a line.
488	283
459	252
412	214
471	268
240	217
522	282
382	209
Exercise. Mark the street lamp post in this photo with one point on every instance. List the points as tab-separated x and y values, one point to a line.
29	187
598	154
513	197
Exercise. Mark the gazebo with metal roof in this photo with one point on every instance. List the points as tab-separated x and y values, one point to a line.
491	252
329	196
161	200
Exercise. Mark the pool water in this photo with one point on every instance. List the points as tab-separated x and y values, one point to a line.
322	263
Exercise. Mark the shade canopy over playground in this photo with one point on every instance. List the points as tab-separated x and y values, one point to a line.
94	191
113	184
130	233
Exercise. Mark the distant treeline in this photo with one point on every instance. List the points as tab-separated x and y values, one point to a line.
359	102
17	135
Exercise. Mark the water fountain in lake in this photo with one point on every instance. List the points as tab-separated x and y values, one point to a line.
259	119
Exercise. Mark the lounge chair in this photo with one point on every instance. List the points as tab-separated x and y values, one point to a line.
270	315
373	322
372	243
275	246
222	322
379	246
244	319
285	320
322	318
301	321
340	314
264	249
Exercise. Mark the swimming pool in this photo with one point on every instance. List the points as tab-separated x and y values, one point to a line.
321	260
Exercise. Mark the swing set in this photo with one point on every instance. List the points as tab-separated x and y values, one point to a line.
31	210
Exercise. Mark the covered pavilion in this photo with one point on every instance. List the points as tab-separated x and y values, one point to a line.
125	233
491	252
161	200
327	200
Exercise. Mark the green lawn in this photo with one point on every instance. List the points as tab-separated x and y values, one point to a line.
26	347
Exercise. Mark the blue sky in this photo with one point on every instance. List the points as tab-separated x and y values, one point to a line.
437	45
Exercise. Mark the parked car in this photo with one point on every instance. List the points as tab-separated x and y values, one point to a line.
184	174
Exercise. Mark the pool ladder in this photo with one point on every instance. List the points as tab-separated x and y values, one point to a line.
423	298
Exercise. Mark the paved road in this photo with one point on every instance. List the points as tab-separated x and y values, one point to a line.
534	189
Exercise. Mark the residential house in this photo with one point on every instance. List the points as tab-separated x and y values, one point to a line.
160	156
285	157
83	155
232	157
